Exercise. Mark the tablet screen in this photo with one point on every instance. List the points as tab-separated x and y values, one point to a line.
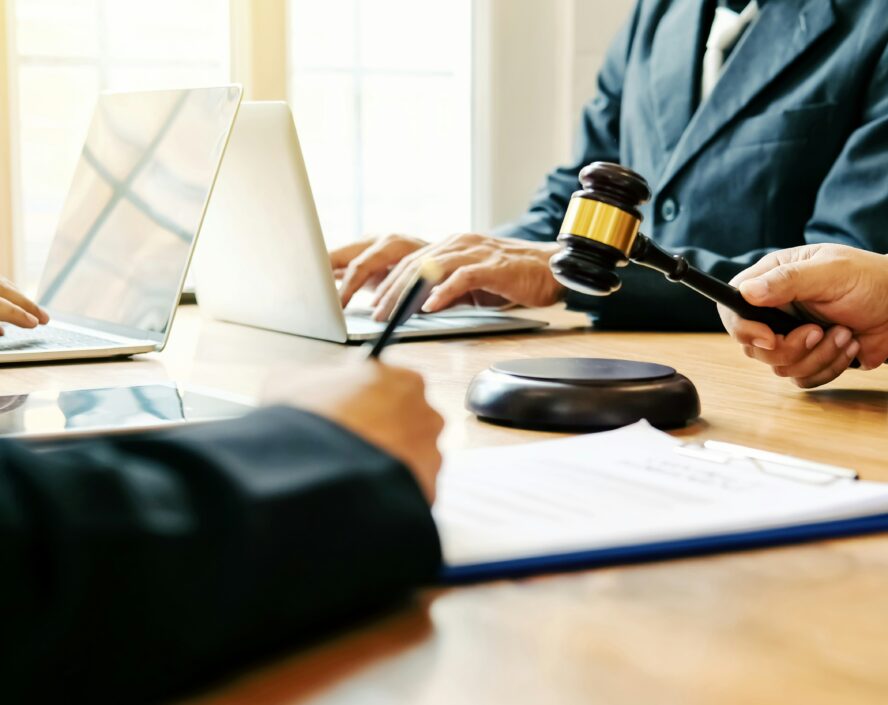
89	411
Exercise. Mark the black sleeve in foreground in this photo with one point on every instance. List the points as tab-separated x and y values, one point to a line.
133	567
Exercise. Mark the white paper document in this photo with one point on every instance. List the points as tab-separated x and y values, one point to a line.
631	487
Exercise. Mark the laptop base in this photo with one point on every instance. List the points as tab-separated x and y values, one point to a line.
362	328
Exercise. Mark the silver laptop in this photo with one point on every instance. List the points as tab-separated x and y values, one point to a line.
262	260
127	230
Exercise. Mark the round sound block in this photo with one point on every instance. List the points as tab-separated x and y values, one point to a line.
582	394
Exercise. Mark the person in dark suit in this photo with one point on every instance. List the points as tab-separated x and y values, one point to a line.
844	288
133	567
760	127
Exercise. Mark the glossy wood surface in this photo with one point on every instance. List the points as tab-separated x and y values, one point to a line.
805	624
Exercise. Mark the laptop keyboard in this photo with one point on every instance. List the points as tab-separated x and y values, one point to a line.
49	338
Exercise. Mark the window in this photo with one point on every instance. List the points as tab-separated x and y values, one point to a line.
381	93
63	52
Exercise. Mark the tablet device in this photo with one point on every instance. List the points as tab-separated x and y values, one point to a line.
52	415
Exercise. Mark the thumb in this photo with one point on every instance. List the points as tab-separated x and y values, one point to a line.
808	280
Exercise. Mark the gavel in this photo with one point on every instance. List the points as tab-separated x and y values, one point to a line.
601	232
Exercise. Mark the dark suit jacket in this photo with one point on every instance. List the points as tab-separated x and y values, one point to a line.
133	567
791	148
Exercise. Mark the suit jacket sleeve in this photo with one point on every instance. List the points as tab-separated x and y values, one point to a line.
136	566
598	140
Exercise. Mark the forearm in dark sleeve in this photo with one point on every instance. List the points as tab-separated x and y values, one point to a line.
852	203
138	565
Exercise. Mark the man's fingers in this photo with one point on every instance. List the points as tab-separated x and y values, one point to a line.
11	313
759	335
448	264
808	280
11	293
765	264
873	350
833	346
341	257
385	305
833	370
458	245
401	272
357	273
464	280
745	332
790	349
774	259
751	333
375	259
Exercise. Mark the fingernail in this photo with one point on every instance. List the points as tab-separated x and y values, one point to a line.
843	337
852	350
763	344
429	305
32	319
756	288
814	337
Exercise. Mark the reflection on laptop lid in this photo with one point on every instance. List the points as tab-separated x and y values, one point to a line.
135	206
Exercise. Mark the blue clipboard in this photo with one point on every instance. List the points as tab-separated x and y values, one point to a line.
648	552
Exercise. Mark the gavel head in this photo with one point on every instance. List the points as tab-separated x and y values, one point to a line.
600	228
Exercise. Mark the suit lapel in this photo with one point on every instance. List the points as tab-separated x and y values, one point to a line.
674	69
781	35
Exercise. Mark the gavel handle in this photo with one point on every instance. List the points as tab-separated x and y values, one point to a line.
677	269
730	297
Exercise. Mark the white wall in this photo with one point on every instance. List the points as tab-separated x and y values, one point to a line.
536	64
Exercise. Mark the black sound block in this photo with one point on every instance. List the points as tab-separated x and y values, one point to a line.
582	394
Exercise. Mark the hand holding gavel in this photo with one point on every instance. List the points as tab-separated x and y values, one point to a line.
828	282
601	233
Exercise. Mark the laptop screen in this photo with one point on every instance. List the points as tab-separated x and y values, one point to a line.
126	232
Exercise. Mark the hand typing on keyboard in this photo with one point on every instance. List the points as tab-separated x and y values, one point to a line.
18	309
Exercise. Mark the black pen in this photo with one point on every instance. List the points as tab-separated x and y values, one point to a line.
429	274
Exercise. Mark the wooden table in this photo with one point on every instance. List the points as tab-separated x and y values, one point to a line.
805	624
